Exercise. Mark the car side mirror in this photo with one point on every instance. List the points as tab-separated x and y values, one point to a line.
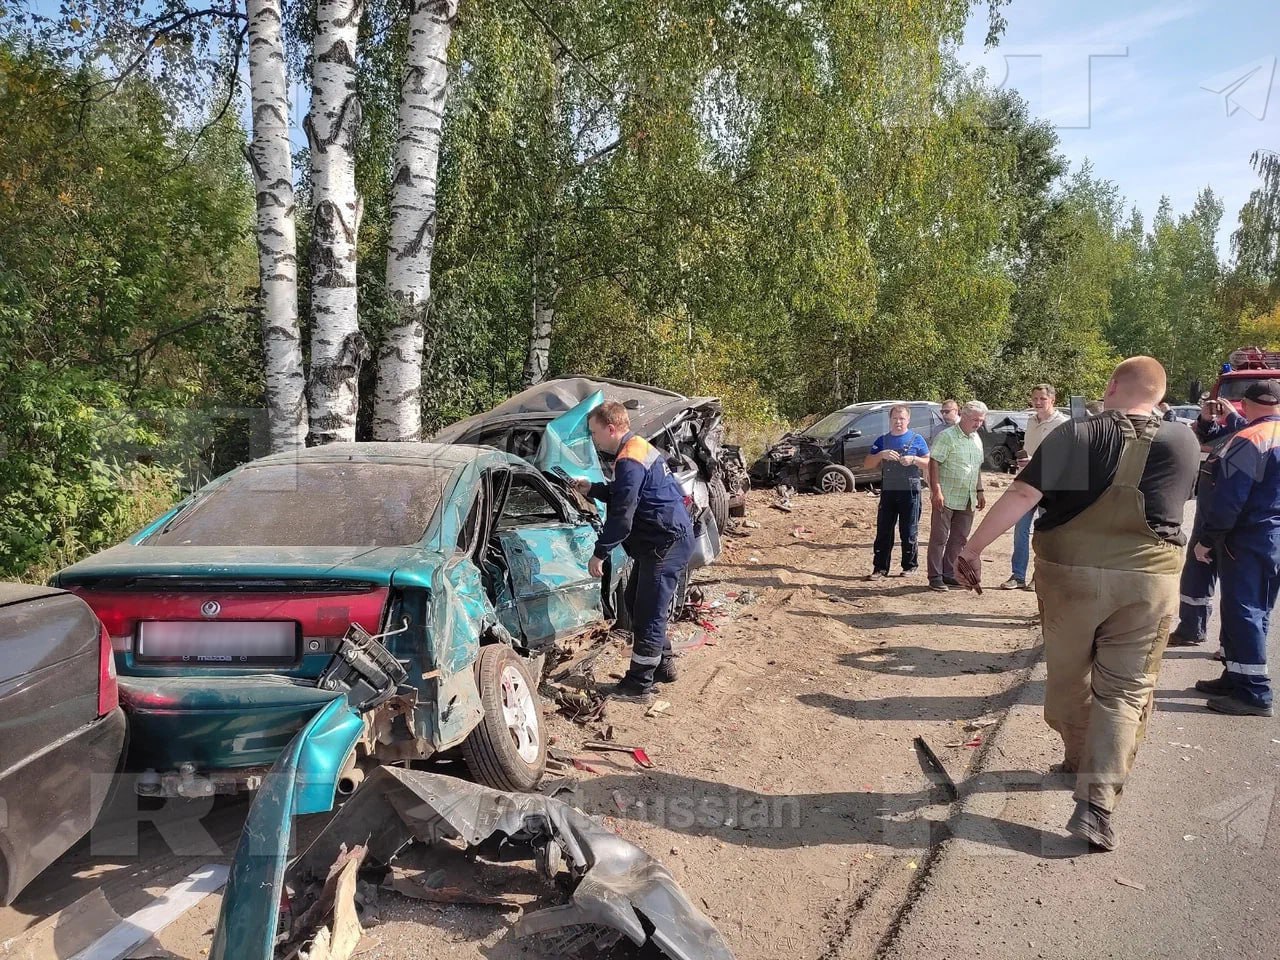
853	434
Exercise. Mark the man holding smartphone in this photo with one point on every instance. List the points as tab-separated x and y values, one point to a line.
1217	420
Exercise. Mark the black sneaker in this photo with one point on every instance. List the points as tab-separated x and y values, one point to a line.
629	692
952	582
1237	708
939	586
666	671
1093	825
1177	639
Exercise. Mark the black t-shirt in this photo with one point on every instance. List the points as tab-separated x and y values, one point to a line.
1077	462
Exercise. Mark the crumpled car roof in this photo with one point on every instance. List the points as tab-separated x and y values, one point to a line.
554	397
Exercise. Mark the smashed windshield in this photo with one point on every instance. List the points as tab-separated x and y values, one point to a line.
301	504
831	424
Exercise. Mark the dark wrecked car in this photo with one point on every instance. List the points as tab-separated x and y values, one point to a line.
828	455
63	728
690	430
602	888
226	611
1003	435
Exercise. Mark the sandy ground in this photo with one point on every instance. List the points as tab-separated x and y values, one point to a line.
787	795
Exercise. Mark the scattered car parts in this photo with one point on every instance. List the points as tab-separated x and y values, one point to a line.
614	889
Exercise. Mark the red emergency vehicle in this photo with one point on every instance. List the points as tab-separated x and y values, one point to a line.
1243	367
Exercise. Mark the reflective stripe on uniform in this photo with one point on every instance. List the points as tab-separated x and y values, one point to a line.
638	448
646	661
1195	601
1248	669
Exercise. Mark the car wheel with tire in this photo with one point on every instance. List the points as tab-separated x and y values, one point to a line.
718	498
508	748
835	478
1000	459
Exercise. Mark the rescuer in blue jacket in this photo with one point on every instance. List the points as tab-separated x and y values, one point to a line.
648	517
1199	579
1240	530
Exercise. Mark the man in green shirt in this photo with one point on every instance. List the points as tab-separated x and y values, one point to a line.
955	482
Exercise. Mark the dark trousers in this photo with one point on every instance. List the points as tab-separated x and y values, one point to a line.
900	509
650	593
1195	590
948	533
1250	584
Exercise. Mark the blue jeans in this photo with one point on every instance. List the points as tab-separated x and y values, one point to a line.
652	587
900	509
1022	543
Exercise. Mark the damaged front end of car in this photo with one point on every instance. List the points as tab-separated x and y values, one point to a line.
604	889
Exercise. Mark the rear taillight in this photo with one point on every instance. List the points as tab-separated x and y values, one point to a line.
108	688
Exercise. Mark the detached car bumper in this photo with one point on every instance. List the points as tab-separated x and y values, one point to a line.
215	723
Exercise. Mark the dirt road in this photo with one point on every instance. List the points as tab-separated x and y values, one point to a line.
787	796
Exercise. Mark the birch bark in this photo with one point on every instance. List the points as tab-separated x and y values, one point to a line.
338	349
538	357
397	413
272	165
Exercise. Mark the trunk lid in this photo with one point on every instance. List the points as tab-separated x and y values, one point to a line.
231	610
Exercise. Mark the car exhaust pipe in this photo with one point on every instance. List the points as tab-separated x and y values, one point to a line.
349	781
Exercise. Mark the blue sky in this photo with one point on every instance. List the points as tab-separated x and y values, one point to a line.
1125	85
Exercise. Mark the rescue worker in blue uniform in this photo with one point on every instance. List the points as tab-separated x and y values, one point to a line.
648	517
1240	531
1199	580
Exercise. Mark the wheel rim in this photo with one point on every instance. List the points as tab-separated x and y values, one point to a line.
833	482
520	714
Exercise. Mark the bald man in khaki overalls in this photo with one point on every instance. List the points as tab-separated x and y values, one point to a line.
1108	553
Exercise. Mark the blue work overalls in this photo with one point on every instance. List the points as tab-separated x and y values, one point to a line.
1241	523
1199	580
648	516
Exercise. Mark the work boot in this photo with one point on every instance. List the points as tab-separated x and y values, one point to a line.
1013	583
666	671
939	586
1222	685
628	691
1177	639
1092	824
1236	707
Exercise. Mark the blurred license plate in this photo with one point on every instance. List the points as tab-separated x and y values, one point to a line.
265	643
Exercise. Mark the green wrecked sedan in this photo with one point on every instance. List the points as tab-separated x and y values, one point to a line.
224	613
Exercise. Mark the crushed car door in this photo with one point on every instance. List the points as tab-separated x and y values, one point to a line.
547	547
566	449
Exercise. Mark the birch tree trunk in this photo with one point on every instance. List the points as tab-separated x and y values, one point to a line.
544	289
538	358
337	347
272	163
397	412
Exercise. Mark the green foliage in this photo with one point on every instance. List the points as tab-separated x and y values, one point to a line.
126	267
